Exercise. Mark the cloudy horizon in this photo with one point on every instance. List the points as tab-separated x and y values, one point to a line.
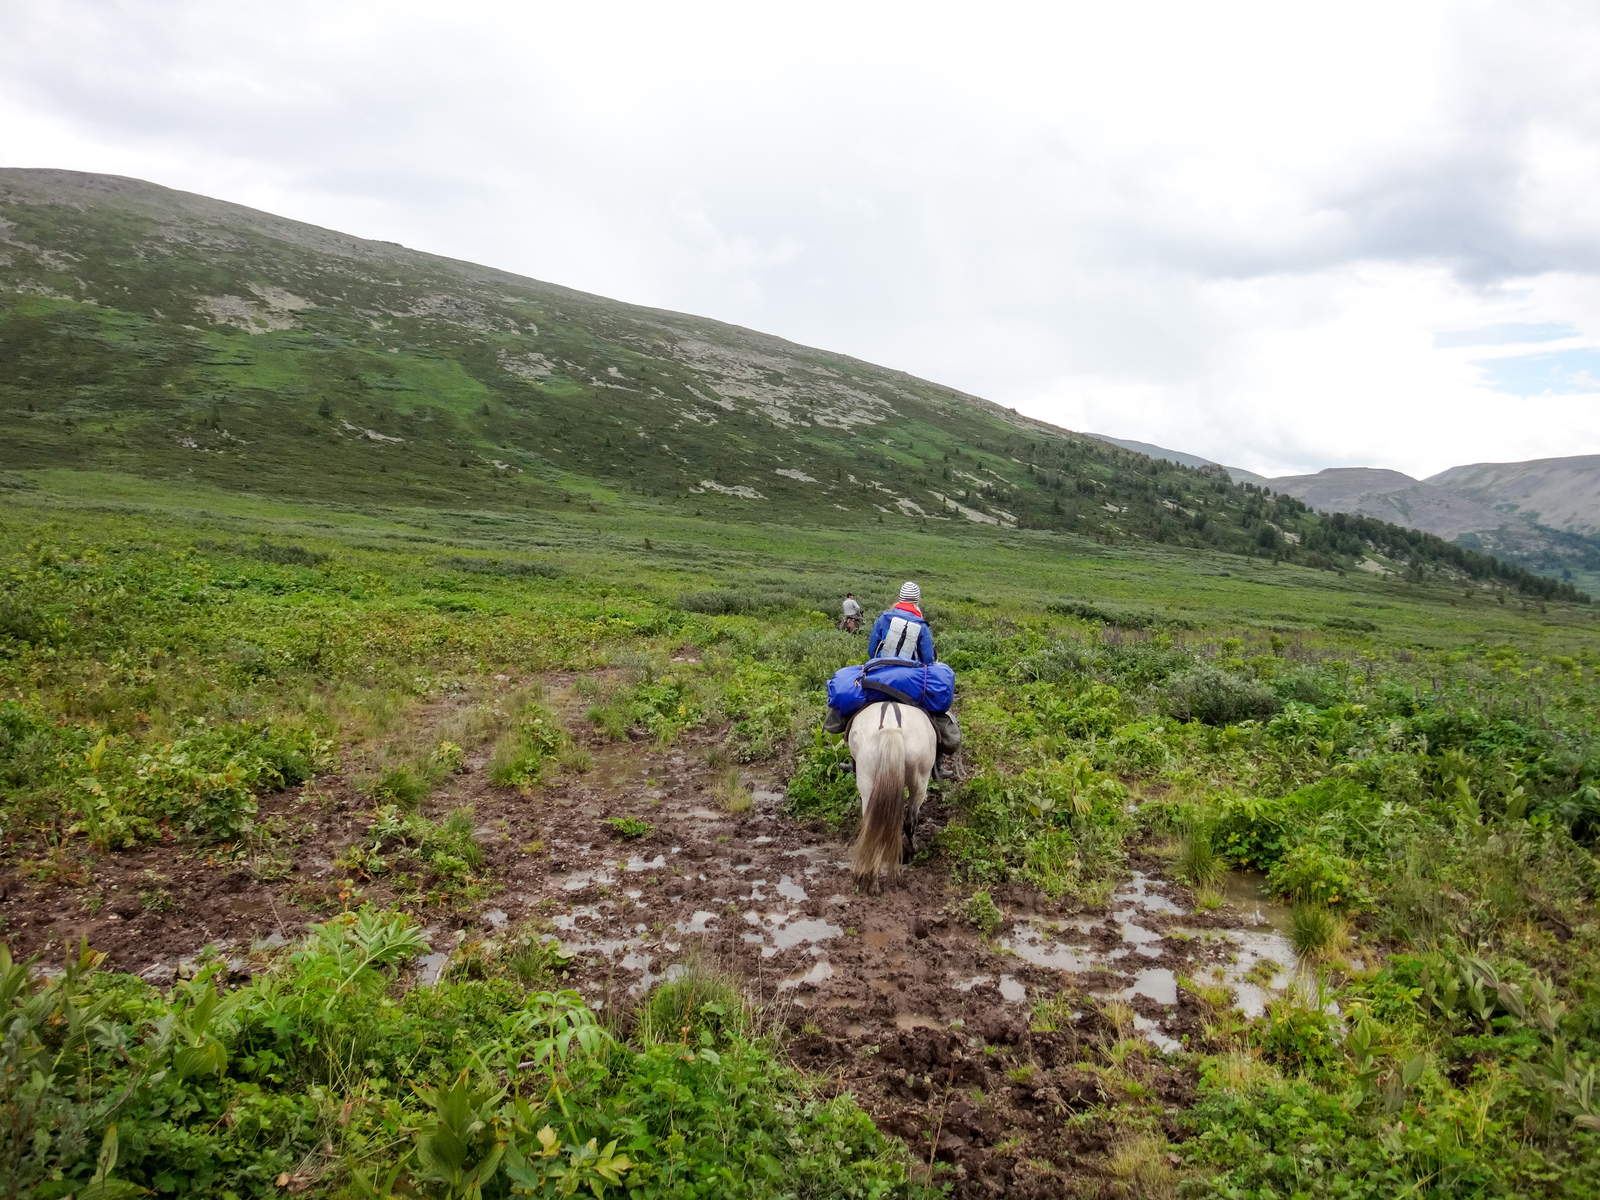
1284	240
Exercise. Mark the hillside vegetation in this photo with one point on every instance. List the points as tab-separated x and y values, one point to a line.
161	335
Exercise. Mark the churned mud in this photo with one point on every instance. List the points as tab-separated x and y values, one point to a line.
972	1049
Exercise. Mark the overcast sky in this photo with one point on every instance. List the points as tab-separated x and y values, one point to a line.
1283	236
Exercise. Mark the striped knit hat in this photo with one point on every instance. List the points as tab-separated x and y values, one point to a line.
910	591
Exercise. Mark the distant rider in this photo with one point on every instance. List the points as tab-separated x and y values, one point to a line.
852	613
902	632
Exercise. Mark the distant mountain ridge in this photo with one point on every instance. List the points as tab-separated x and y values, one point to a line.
1543	514
1561	493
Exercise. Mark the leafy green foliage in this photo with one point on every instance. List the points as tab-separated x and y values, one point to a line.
217	1090
820	788
1431	785
981	912
630	828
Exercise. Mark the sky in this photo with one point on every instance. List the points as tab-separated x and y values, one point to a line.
1285	237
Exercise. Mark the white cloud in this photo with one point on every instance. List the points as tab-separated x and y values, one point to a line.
1232	231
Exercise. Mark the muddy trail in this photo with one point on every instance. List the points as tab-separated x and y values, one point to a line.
973	1049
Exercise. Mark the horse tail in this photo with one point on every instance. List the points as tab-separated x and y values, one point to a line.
878	843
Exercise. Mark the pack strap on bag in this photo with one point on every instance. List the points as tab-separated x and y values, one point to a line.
868	683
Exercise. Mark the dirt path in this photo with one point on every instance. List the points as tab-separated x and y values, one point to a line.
927	1023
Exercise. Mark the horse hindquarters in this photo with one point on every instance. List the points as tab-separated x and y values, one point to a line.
878	843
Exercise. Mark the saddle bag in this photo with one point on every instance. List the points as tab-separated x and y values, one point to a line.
928	686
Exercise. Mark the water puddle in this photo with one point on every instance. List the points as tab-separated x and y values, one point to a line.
820	971
785	931
906	1022
1247	891
1033	943
635	863
699	923
1255	961
1158	983
790	890
568	921
1262	954
579	880
1156	1036
1137	894
430	967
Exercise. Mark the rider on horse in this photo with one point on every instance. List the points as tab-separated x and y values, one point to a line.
902	632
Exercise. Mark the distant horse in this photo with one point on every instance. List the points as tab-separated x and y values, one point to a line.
893	745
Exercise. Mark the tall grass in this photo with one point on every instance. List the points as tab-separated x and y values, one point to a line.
1198	861
1316	931
701	997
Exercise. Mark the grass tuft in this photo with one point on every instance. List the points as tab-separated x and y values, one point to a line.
736	797
701	1004
1316	931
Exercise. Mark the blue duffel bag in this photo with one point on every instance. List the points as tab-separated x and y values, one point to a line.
928	686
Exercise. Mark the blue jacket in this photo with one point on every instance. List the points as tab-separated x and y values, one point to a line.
911	637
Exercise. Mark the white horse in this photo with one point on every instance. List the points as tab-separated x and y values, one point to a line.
893	745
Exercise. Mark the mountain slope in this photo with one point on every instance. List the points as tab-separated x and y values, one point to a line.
1561	493
1456	516
163	335
1237	474
1390	496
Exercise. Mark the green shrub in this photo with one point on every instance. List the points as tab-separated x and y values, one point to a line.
21	621
448	848
1213	696
510	568
1315	931
289	554
820	788
749	600
1298	1036
1312	875
1086	611
403	785
700	999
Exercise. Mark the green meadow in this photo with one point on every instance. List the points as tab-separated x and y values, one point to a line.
1412	767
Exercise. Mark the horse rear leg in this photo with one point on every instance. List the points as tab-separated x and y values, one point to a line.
918	791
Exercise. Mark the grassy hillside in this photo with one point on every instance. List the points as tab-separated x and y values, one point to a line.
153	334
